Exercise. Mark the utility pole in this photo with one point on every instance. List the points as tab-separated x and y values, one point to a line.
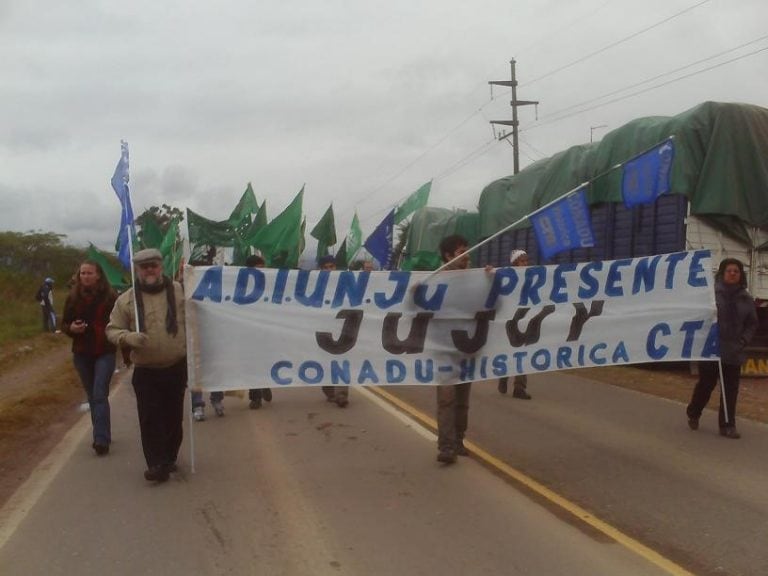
514	123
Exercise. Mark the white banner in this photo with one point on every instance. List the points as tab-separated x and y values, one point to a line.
256	327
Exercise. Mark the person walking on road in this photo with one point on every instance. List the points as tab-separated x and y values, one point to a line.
86	314
737	322
157	340
337	394
256	395
45	299
520	383
453	399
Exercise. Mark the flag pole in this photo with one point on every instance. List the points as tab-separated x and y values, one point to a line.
133	275
500	232
547	205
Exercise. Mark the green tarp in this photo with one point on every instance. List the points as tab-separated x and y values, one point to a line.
430	225
721	166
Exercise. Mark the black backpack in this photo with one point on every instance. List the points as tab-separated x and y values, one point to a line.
39	294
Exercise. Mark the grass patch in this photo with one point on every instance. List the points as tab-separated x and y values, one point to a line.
16	353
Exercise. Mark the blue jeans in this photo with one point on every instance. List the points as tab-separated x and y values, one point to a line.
197	398
95	374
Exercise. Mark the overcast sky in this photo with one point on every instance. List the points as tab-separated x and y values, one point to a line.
362	101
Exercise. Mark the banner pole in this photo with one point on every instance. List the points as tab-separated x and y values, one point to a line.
722	391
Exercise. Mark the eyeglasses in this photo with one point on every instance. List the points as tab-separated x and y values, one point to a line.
149	265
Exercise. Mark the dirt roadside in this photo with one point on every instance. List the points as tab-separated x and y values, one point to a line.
40	396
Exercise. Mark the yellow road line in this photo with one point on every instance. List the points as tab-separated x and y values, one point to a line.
573	509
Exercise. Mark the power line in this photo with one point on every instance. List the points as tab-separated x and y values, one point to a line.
576	113
614	44
556	33
452	169
647	80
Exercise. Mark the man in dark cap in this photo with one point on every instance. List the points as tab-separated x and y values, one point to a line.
157	341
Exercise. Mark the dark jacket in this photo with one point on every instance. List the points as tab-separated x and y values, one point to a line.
737	321
95	310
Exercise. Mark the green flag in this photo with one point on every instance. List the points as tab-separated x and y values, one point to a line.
341	256
171	250
415	201
259	221
151	235
354	238
245	207
261	216
325	232
209	232
280	239
113	274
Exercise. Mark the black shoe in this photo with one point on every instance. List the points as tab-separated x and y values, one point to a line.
101	449
266	393
171	468
503	386
254	404
156	474
461	450
446	456
521	394
693	423
730	432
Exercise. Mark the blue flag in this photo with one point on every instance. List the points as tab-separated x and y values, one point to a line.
564	225
120	186
379	243
647	177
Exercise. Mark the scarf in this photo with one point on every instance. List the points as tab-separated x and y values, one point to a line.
171	325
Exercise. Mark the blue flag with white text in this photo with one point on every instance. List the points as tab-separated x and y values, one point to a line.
647	177
564	225
379	243
120	185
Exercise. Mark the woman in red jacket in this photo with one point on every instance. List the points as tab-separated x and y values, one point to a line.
86	314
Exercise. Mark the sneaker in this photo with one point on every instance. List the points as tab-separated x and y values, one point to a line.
693	423
156	474
101	449
218	407
503	386
461	450
730	432
254	404
446	456
521	394
266	393
341	402
171	467
198	413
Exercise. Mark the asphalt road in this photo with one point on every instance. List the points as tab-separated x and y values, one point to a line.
303	487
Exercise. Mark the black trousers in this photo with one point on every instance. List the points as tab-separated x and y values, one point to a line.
160	404
708	376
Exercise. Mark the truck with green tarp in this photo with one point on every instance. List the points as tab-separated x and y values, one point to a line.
718	201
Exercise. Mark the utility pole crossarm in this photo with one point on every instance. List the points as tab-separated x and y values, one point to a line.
514	103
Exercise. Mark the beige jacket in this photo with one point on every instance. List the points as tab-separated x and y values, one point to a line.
162	349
